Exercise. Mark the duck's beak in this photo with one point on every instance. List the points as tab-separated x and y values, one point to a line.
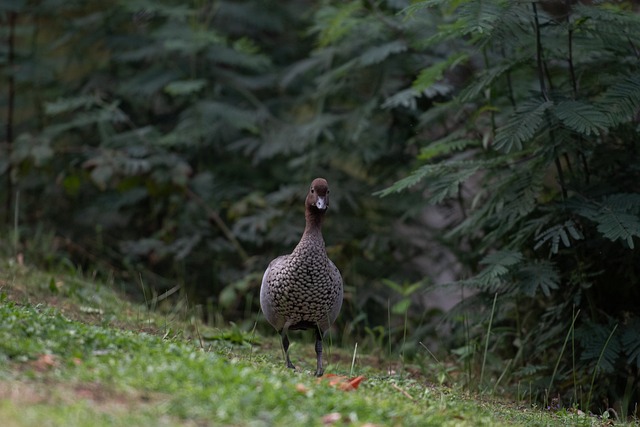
321	203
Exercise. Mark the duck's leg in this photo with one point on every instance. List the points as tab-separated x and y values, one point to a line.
319	368
285	345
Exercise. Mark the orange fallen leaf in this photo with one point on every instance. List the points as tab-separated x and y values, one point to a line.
355	382
301	388
342	382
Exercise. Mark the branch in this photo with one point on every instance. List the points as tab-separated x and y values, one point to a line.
13	17
407	395
572	72
543	86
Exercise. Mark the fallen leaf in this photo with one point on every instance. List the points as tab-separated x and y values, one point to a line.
332	418
301	388
44	362
342	382
354	383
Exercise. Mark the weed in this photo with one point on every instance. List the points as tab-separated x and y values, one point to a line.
564	345
486	343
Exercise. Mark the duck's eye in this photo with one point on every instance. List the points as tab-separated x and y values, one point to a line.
312	190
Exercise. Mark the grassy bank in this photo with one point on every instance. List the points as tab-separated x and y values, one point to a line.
74	352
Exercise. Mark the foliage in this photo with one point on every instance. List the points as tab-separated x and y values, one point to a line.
170	144
549	189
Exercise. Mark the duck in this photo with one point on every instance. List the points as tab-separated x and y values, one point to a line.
304	289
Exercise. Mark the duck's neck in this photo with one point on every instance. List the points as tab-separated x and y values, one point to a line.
314	219
312	237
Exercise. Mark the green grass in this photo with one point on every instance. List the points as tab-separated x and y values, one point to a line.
87	357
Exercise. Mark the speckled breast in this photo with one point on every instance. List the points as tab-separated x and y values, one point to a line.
306	291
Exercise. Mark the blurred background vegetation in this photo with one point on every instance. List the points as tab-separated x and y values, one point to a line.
482	154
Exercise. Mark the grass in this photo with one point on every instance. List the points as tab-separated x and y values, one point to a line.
74	353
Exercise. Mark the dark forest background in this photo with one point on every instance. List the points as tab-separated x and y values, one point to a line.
484	151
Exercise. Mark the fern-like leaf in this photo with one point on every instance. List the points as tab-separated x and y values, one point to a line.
557	233
522	126
616	225
431	75
65	105
541	275
409	181
377	54
581	117
334	23
622	100
617	216
407	98
593	339
421	5
482	81
185	87
498	264
624	202
446	145
443	173
448	184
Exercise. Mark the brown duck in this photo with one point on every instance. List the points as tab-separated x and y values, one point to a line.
303	290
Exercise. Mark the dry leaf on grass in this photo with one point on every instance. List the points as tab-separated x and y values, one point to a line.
342	382
44	362
301	388
332	418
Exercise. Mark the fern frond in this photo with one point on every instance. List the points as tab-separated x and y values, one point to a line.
593	339
65	105
538	275
410	180
616	216
334	23
407	98
106	114
581	117
448	185
377	54
483	17
624	202
483	81
419	6
497	263
522	126
622	100
234	57
431	75
615	225
454	169
611	20
239	118
446	145
298	69
185	87
557	233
